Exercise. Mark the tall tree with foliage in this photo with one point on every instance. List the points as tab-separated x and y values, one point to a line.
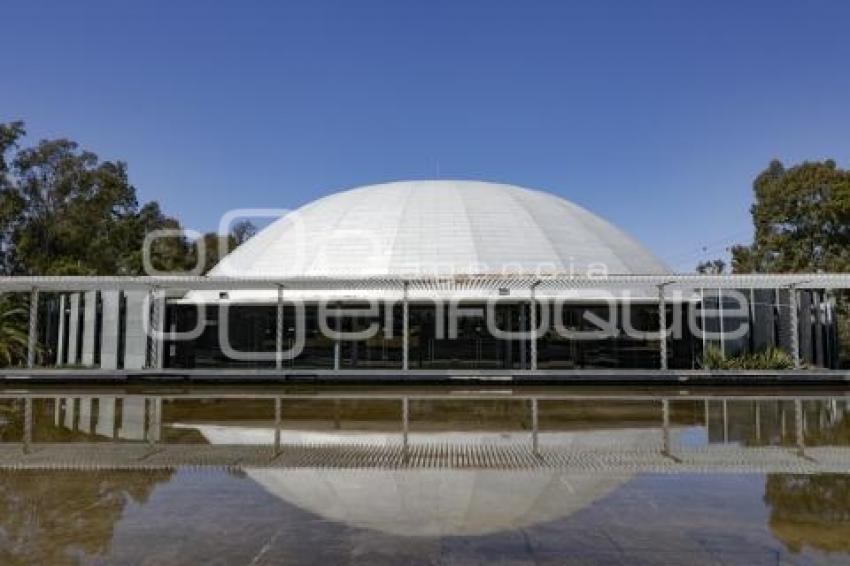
216	246
711	267
801	217
63	211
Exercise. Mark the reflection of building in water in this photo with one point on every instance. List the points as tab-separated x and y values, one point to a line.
385	421
124	418
777	422
409	502
537	458
436	502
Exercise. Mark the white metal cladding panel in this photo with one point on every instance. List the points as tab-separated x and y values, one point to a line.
105	416
132	418
506	235
357	243
434	235
60	346
89	322
110	329
135	338
73	328
84	420
631	256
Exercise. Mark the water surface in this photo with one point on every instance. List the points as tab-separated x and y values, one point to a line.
375	475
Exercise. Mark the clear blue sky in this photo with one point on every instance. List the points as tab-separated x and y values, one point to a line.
656	115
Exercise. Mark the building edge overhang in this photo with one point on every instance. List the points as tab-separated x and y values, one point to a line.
486	283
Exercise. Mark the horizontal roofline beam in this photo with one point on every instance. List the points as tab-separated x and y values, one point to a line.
483	282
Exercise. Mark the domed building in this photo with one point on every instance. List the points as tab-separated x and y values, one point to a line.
446	250
443	278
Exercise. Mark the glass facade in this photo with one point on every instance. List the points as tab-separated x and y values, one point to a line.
444	337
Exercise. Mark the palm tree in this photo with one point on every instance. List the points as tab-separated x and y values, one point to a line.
13	333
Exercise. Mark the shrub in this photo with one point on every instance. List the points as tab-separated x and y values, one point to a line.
771	358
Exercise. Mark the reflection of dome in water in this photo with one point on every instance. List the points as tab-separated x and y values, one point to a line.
422	502
433	502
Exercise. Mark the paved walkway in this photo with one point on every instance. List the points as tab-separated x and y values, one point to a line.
139	456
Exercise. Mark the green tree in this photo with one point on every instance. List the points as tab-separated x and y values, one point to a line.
801	218
63	211
711	267
13	336
216	246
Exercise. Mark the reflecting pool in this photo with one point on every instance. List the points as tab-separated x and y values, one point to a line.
422	475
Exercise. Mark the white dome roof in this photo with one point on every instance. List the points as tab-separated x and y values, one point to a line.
438	228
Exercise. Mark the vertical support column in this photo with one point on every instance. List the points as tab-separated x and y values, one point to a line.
798	421
662	326
156	423
157	327
831	325
337	345
73	328
776	335
277	422
534	425
702	319
819	356
752	320
32	333
278	348
60	344
829	352
405	329
665	426
27	424
523	345
405	423
533	317
725	421
721	321
89	314
111	304
794	327
151	424
135	339
758	421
